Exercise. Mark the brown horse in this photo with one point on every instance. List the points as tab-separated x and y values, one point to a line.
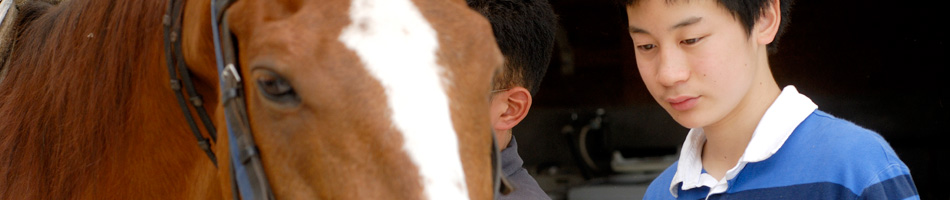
360	99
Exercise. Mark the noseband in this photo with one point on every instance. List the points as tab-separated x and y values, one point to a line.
249	180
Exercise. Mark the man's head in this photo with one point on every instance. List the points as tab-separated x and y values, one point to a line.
705	61
524	31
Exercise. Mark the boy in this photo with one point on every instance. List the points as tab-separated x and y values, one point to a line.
706	63
524	31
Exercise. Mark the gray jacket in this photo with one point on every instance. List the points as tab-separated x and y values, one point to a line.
525	185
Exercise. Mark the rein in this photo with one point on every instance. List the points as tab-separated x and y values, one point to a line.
249	181
176	61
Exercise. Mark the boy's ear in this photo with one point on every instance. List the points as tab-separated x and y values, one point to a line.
517	101
766	26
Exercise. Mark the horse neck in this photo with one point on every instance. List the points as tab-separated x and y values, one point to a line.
87	111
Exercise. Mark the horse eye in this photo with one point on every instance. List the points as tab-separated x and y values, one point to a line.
276	88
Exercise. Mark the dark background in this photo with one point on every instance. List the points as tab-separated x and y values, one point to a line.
879	64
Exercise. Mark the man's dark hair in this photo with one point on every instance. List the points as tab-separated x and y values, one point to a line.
524	31
747	11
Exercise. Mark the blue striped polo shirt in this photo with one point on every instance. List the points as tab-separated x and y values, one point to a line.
796	152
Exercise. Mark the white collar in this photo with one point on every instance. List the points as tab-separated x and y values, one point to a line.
779	121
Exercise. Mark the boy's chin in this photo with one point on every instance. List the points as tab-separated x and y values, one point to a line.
689	119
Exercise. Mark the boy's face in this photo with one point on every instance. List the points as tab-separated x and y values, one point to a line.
694	57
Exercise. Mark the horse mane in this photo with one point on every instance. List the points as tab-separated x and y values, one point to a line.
66	100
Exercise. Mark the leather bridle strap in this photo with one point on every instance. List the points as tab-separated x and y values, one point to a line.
175	61
247	170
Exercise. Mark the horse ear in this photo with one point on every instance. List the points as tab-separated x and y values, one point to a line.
516	102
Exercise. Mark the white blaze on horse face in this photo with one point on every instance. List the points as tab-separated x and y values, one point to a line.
398	47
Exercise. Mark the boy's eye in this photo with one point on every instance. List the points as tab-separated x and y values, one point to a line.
646	47
691	41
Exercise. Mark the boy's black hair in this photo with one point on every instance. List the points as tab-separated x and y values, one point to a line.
747	11
524	31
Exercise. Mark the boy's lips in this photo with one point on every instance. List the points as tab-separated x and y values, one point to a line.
682	103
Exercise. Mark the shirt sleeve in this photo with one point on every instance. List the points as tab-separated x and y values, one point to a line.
893	182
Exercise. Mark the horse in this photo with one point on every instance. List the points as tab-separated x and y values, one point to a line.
345	99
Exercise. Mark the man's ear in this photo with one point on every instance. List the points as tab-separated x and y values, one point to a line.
518	102
766	26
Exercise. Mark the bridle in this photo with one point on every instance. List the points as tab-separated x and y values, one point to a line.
248	178
249	181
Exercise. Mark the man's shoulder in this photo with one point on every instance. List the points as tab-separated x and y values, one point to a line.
827	149
512	166
826	135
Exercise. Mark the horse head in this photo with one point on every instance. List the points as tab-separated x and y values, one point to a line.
359	99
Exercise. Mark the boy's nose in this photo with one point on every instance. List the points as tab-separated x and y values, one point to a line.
672	68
